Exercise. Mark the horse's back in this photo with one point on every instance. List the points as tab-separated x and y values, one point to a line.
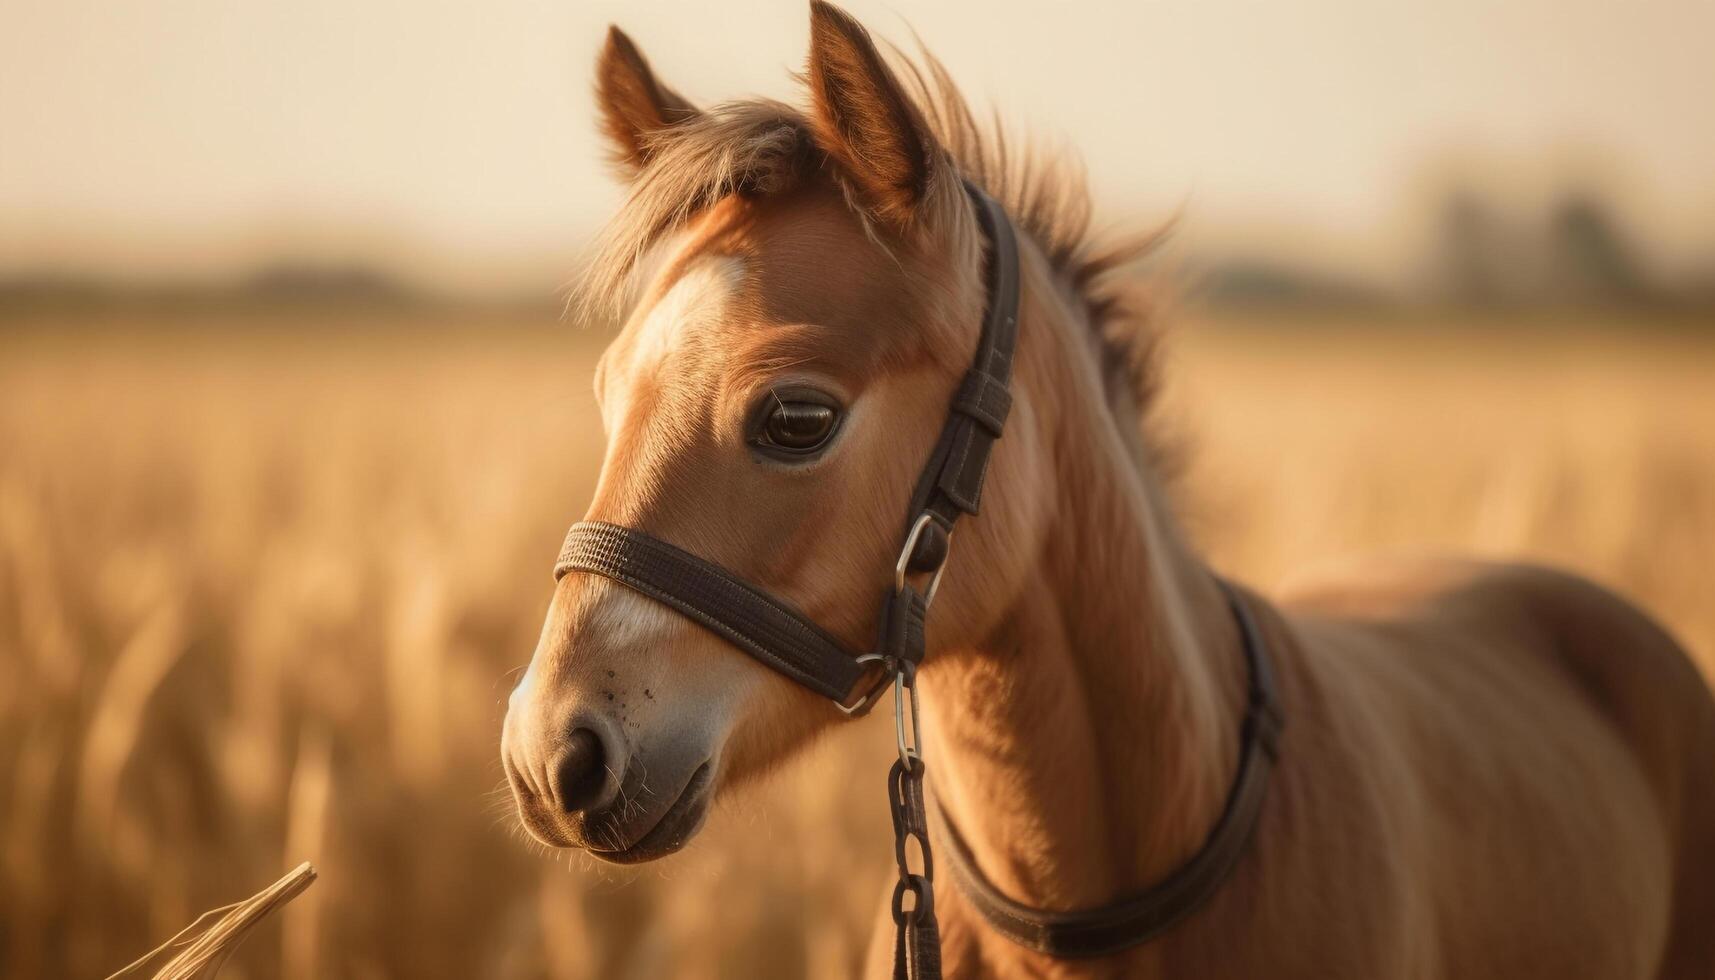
1557	753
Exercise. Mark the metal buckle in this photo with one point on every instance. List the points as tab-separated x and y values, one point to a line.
863	704
923	520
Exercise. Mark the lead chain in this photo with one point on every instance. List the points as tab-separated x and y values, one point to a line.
917	953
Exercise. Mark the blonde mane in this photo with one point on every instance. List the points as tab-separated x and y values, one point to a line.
761	146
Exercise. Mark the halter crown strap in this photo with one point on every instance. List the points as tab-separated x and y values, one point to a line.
952	483
1138	918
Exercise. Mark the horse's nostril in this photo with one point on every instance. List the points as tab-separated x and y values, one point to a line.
579	772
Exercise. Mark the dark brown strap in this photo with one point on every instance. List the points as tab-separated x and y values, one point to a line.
952	482
1142	917
764	626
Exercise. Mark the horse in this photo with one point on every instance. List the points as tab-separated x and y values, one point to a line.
1485	770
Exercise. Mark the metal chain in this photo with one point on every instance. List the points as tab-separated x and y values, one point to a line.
917	947
917	944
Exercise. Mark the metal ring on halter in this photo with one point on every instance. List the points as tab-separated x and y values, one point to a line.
868	700
906	752
905	559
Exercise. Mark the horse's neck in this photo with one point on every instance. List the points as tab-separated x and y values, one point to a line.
1086	748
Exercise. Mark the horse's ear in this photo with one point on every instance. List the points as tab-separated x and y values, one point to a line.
863	118
633	104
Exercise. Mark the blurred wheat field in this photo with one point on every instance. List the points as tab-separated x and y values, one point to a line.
264	584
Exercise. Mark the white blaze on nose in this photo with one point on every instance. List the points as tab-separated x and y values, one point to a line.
628	621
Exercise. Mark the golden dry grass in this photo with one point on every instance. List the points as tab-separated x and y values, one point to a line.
263	585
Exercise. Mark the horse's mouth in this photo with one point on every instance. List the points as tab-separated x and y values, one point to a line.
675	828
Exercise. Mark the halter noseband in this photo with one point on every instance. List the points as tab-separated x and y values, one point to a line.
771	630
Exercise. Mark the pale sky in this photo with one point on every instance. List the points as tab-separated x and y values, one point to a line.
183	137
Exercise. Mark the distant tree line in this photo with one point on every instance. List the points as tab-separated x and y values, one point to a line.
1478	255
1578	255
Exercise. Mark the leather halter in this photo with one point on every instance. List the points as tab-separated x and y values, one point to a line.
777	634
769	628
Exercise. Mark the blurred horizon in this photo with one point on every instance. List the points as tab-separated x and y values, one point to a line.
1324	155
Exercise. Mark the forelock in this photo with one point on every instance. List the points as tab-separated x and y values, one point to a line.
752	147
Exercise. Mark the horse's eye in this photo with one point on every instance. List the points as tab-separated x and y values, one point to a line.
798	426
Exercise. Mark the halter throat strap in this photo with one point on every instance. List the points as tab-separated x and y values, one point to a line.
1138	918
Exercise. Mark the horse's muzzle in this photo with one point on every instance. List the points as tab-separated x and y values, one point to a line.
590	789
